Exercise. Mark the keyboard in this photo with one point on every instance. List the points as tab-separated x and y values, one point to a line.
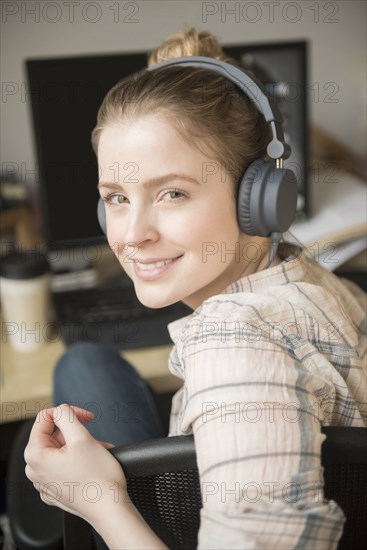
112	315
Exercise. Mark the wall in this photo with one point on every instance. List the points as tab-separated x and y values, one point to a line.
336	32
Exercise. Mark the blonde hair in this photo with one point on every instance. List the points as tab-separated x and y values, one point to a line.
188	42
206	109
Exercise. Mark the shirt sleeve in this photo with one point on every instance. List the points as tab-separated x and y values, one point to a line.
256	413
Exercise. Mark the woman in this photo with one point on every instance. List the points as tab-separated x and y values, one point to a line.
272	351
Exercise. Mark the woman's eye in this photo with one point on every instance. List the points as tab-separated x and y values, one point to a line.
172	194
116	199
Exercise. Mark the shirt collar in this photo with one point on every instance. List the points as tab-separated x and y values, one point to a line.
291	269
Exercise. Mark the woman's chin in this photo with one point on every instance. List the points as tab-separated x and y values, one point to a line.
155	302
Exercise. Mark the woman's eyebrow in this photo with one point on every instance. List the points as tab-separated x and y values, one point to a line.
151	182
169	177
109	185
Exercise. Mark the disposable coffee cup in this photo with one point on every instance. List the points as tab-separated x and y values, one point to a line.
25	299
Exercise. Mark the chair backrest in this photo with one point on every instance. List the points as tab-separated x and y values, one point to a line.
163	483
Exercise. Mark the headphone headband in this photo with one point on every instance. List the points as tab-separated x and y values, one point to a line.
264	103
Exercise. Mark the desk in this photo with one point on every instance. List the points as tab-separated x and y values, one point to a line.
26	378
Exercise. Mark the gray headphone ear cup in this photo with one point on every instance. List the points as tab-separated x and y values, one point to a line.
267	199
101	214
254	173
279	200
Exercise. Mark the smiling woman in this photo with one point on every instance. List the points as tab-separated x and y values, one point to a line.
195	201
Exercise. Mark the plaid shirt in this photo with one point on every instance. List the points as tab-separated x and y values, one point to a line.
265	364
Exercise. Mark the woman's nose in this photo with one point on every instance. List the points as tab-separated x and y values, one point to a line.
141	227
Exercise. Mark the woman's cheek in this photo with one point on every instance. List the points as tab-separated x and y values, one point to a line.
116	245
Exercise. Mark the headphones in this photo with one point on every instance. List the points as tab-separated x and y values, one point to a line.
267	192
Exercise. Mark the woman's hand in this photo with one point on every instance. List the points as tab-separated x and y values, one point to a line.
70	468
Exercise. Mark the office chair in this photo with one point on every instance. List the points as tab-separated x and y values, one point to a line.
163	483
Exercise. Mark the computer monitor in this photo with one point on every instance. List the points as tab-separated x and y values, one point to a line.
66	93
282	68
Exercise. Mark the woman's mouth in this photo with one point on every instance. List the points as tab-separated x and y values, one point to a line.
150	270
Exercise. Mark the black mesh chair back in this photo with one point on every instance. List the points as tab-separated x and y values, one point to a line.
344	457
163	483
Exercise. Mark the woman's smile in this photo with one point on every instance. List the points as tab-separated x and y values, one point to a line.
150	270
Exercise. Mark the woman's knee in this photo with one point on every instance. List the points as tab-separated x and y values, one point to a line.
83	364
97	378
79	357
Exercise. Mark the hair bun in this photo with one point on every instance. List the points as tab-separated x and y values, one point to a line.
186	43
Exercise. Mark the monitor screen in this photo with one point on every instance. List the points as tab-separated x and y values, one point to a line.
66	94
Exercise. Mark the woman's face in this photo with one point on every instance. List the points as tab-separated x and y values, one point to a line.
171	213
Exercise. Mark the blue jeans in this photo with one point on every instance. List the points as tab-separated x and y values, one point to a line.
97	378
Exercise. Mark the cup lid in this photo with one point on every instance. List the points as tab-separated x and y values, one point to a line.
23	265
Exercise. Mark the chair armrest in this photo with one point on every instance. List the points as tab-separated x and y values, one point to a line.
152	457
